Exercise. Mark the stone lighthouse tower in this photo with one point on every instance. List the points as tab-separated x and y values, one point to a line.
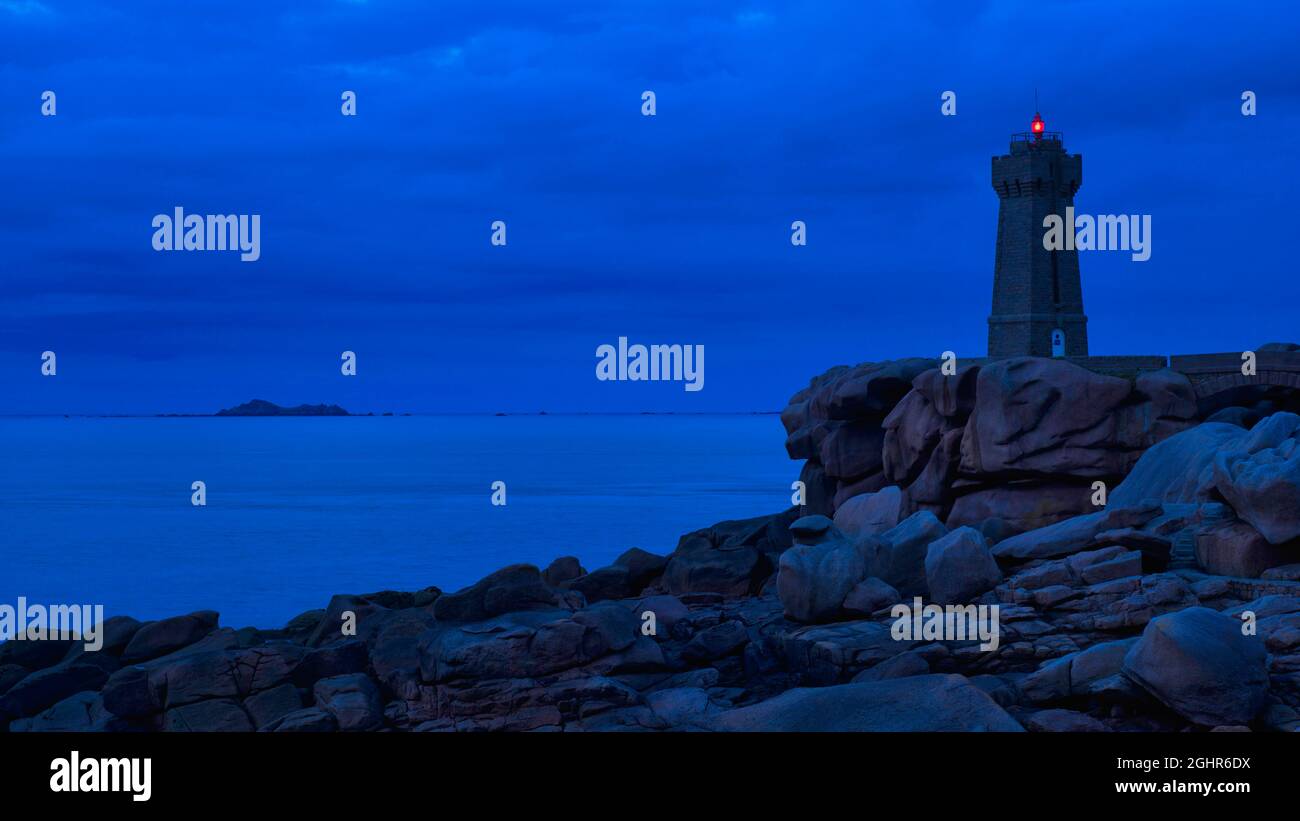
1037	296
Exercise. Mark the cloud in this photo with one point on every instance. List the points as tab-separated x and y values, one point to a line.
377	226
24	7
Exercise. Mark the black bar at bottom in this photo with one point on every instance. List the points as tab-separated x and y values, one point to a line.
213	771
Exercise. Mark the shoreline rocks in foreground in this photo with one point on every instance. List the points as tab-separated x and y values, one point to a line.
1174	605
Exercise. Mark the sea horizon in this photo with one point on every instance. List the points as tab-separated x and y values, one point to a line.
298	509
361	414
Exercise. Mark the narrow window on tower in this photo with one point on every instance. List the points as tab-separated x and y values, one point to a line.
1056	275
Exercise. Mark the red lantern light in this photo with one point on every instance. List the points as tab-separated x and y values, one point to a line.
1037	125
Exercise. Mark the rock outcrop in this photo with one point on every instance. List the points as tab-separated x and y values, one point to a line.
1261	479
1018	441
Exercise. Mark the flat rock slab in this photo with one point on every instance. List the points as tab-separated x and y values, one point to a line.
931	703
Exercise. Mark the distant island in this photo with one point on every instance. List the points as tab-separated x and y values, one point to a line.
261	407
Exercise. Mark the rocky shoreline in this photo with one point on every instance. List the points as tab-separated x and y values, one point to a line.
1141	551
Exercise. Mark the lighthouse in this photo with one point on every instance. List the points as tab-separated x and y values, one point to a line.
1037	295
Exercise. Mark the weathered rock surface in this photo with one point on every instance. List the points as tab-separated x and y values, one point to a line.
1173	470
603	583
44	688
836	424
731	558
309	720
899	557
716	642
161	637
218	715
79	713
1051	418
1063	721
900	666
1018	440
269	706
870	514
1020	505
1079	674
814	580
513	588
868	596
1073	535
642	567
932	703
959	567
736	570
1261	481
563	569
1234	548
353	700
1198	663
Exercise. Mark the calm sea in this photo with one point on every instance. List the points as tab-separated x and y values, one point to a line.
97	511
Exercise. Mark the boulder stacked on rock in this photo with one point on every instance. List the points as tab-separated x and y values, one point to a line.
819	572
1245	485
1019	441
1260	480
836	426
731	558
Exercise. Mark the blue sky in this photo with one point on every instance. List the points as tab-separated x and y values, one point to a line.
673	228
